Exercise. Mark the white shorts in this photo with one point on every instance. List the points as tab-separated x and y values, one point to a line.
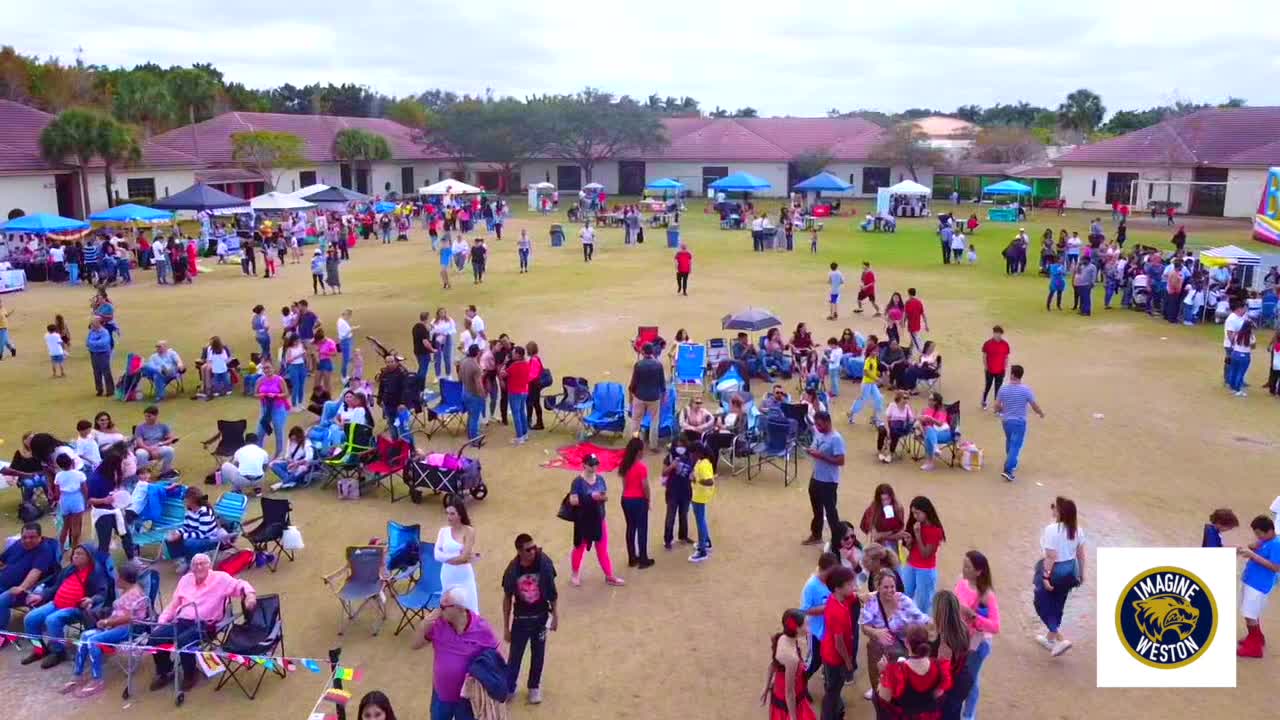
1252	602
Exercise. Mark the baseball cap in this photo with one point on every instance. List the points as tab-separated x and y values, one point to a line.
591	460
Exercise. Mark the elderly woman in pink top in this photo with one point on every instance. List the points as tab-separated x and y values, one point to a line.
199	599
981	613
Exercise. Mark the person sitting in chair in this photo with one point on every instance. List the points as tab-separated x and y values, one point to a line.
247	468
163	367
926	367
777	354
893	362
22	566
696	420
153	440
774	401
215	372
62	600
729	427
295	466
936	427
900	421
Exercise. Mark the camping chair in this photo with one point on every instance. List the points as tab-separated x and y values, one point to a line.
392	458
230	439
347	461
230	510
953	419
934	384
173	512
717	352
267	535
644	334
326	434
364	582
573	402
666	416
450	411
799	414
259	633
425	594
129	658
403	542
778	449
608	410
690	370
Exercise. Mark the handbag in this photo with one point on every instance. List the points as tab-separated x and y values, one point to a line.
567	512
291	539
545	378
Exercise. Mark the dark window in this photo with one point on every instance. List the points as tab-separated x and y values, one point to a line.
631	177
1120	186
306	178
1151	190
712	173
141	187
1209	199
569	177
874	178
362	180
344	173
1093	188
406	181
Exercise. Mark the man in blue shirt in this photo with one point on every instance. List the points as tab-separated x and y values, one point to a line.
22	566
98	342
163	367
1011	404
827	452
1257	581
813	600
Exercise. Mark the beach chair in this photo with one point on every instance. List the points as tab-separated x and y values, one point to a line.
403	542
645	334
267	534
229	510
690	370
173	513
608	410
362	583
260	633
717	352
450	411
424	596
572	403
777	448
666	416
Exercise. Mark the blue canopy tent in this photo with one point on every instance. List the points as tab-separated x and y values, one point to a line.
384	207
823	182
740	182
1007	187
130	213
43	224
200	197
665	184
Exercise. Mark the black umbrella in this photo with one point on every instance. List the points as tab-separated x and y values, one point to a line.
750	319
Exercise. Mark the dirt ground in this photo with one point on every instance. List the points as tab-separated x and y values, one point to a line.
1139	432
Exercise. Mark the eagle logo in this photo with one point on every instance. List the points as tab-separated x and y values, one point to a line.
1166	613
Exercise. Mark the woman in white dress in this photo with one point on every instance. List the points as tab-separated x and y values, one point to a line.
455	548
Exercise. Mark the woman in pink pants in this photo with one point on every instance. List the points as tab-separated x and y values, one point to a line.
587	497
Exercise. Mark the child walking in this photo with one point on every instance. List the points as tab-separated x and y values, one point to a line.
1257	581
813	241
836	278
524	247
317	273
57	351
331	271
704	489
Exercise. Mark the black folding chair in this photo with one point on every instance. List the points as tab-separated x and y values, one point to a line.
231	438
267	534
260	632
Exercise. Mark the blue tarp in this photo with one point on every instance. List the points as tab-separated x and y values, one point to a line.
665	184
130	212
200	197
41	223
384	207
740	182
823	182
1007	187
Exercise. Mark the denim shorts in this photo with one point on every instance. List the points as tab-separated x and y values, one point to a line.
325	365
71	503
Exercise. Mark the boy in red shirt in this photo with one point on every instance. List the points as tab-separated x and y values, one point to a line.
839	648
868	289
684	266
916	319
995	359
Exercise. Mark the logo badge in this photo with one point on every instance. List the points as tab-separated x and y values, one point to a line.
1166	617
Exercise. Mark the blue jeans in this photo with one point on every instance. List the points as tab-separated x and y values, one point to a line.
475	408
9	601
933	437
345	346
281	470
1112	287
833	379
162	271
1049	604
444	358
50	621
1189	314
524	258
424	365
1086	299
974	664
700	519
1237	370
264	344
92	653
274	418
920	584
73	273
457	710
296	374
519	414
1015	433
159	379
870	393
187	548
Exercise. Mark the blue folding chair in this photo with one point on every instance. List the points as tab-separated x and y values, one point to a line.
450	411
666	417
403	542
608	410
690	369
426	592
778	449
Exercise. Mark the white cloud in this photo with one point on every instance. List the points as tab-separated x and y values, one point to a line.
798	58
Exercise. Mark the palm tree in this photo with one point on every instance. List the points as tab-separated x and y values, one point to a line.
360	148
75	133
117	146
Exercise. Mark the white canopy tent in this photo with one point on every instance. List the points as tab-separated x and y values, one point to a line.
277	201
1243	263
906	187
309	190
538	189
450	187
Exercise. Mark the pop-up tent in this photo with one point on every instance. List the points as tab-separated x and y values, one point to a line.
1244	264
1007	187
43	224
131	213
665	184
822	182
740	182
536	191
450	187
884	196
328	196
200	197
278	201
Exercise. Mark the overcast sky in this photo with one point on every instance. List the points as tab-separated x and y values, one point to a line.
783	58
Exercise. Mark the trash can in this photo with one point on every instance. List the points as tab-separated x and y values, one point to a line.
557	235
673	237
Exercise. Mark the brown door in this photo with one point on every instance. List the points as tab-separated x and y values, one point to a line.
631	177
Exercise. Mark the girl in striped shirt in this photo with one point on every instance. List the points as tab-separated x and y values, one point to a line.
199	531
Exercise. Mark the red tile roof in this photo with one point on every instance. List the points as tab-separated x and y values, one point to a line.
1216	136
211	139
766	139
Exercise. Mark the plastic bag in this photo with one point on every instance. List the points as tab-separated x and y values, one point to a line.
291	539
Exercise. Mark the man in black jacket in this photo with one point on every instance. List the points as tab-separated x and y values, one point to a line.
395	387
647	388
529	587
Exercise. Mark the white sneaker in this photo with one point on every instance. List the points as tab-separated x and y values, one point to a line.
1045	642
1060	648
535	696
868	694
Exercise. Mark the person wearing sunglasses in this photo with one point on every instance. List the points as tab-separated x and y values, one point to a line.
529	587
457	636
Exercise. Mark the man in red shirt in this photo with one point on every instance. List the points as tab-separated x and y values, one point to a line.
916	319
684	266
868	289
839	648
995	358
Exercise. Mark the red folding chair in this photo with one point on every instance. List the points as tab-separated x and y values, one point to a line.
392	459
644	334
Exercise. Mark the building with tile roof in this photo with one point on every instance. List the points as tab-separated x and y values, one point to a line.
1229	149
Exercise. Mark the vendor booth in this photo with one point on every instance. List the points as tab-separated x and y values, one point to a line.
33	255
1007	188
815	207
449	187
201	197
131	214
1244	265
279	202
537	191
906	199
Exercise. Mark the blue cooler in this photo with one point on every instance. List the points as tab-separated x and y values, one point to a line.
673	237
557	236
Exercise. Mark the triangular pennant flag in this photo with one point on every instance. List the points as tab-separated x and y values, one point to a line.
269	664
344	673
338	697
35	643
311	665
289	666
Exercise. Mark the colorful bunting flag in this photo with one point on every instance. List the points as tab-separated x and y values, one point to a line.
336	696
311	665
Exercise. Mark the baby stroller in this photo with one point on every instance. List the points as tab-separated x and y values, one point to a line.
446	475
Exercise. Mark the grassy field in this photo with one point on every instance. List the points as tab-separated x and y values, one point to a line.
1139	432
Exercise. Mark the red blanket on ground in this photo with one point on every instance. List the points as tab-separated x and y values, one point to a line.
570	457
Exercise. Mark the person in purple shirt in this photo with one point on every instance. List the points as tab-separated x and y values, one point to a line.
458	636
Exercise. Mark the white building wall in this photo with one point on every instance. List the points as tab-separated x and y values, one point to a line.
690	173
167	182
852	173
1244	192
29	193
1086	186
604	172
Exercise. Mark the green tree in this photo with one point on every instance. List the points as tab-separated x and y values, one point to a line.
74	137
1007	144
746	112
719	112
812	161
142	97
117	146
970	113
194	91
266	151
1082	111
240	97
1234	102
360	148
409	113
505	132
591	126
905	144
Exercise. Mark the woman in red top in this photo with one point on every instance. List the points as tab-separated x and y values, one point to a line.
517	379
635	503
802	348
924	536
786	690
882	521
913	689
535	386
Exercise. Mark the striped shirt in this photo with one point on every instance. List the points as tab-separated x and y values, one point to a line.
1014	399
199	523
91	254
